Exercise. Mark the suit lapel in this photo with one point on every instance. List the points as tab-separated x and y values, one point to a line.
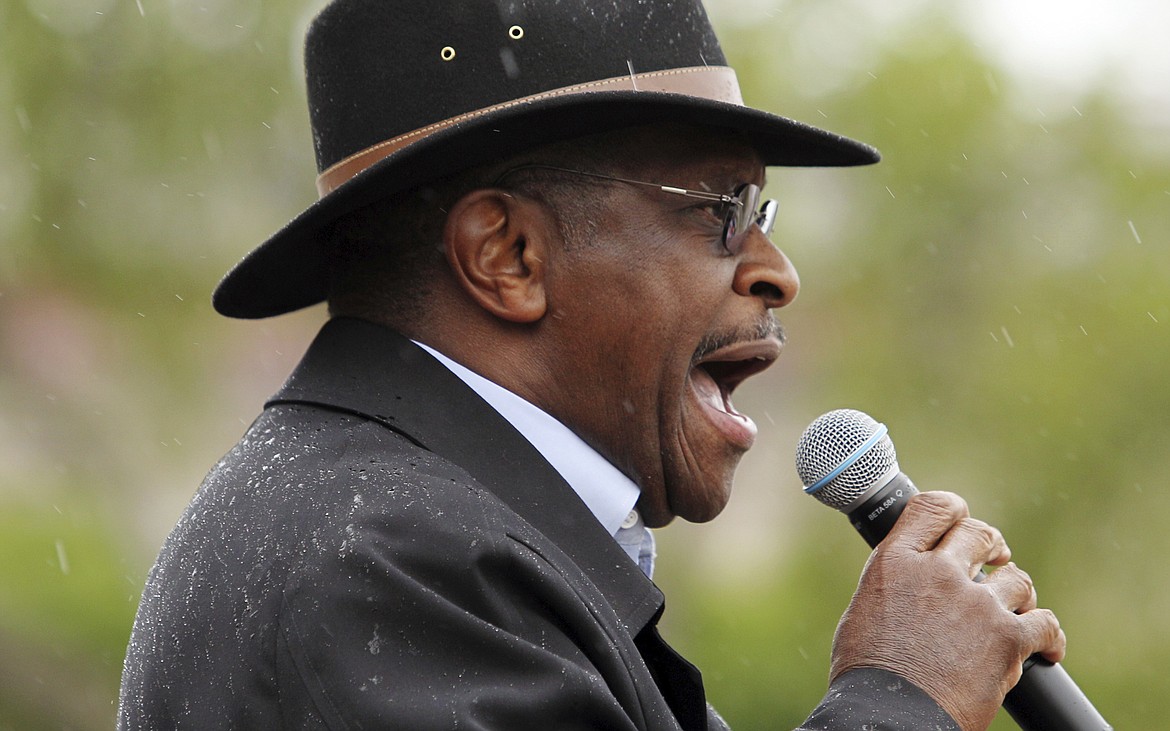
371	371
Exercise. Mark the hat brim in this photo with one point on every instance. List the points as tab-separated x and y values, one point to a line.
288	271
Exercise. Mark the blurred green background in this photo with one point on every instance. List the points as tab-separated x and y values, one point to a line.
997	291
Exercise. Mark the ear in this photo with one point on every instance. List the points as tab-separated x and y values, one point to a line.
497	245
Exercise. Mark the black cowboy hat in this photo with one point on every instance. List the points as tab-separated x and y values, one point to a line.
403	92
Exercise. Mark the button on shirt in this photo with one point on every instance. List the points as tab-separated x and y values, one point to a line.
637	541
604	489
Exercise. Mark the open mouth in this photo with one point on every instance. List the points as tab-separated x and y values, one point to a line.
716	376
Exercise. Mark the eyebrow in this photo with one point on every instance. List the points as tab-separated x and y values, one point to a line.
730	174
727	181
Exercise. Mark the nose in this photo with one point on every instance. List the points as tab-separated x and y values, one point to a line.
765	272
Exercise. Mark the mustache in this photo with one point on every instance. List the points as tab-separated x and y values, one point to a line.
766	327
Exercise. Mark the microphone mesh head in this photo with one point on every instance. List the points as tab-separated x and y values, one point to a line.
828	442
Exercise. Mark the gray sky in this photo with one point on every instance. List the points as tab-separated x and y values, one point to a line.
1059	48
1079	42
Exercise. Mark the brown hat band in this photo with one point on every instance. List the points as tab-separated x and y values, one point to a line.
717	83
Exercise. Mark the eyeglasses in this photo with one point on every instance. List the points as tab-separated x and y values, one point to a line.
741	209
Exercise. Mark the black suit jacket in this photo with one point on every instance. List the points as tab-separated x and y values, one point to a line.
383	550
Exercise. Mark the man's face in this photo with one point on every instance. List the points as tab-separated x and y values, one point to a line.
658	323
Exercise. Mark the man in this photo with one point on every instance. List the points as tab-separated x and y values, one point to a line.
545	253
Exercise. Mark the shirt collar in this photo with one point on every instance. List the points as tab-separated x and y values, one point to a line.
608	493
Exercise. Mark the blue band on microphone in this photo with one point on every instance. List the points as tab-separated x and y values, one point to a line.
848	461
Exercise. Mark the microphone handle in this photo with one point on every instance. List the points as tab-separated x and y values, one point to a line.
1046	698
875	517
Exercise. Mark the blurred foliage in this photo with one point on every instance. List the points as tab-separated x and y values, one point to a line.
997	290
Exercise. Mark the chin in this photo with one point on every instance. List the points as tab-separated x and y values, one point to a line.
696	502
703	513
695	485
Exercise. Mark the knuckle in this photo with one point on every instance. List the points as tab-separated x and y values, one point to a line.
987	535
1013	589
1051	621
1025	579
1018	576
1040	631
940	503
995	535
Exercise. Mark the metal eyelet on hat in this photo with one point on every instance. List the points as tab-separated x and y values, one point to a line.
515	32
447	54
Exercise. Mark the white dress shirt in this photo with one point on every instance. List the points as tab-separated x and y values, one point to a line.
604	489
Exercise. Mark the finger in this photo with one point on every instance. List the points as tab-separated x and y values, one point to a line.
1013	587
1041	634
974	544
927	518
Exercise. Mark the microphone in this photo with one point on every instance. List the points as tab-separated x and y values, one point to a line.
846	460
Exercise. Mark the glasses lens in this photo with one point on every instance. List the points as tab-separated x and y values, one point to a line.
767	217
741	214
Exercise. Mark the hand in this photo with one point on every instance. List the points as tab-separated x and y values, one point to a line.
918	612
